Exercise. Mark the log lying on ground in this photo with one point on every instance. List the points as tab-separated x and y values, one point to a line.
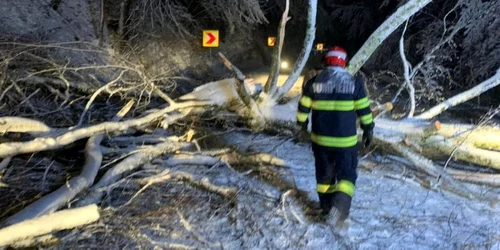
55	200
49	143
423	164
219	93
462	151
485	137
436	140
419	130
66	219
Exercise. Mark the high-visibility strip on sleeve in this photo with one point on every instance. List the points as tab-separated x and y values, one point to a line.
362	103
301	116
305	101
323	188
346	187
366	119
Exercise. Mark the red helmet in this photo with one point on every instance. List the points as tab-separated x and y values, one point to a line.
336	56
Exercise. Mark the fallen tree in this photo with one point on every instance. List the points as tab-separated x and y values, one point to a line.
418	139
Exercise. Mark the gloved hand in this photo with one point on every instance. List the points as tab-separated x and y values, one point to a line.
367	138
303	136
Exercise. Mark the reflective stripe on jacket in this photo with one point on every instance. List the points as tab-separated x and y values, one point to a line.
335	98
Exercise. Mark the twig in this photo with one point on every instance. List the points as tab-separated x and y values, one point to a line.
96	93
5	91
25	99
406	67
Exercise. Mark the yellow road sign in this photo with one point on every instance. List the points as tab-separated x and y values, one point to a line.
271	41
319	46
211	38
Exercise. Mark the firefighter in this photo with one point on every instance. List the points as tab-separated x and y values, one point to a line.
336	98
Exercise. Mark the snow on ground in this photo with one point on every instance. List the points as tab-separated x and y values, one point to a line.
387	213
396	214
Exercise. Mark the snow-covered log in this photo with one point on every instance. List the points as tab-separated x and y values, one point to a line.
64	194
485	137
65	219
462	151
49	143
383	31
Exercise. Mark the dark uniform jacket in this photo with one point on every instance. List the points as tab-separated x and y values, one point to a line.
336	99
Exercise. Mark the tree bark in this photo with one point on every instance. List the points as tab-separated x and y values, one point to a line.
383	31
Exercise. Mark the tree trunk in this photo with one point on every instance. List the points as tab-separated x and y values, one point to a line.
383	31
304	54
272	80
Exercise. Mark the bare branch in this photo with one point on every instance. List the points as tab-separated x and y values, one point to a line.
406	67
462	97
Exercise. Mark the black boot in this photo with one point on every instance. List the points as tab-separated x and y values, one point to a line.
342	205
325	202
